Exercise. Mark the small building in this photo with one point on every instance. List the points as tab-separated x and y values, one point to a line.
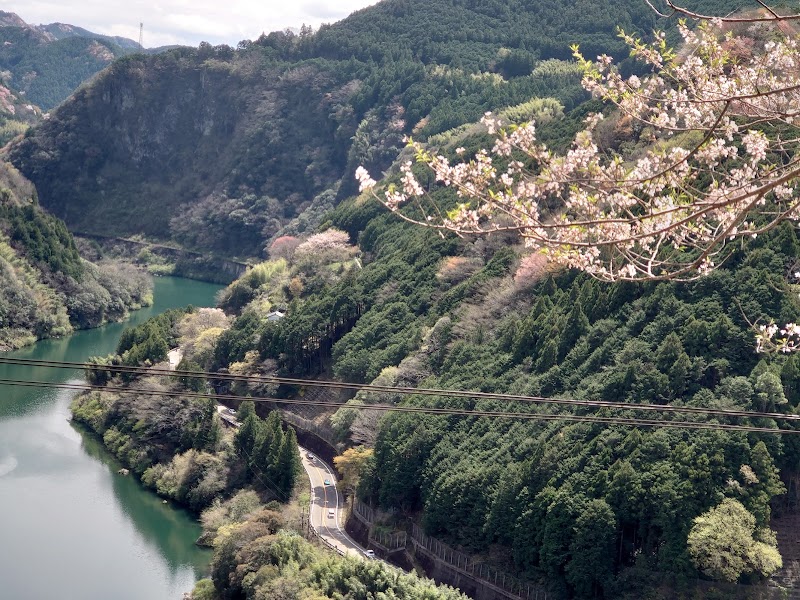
275	315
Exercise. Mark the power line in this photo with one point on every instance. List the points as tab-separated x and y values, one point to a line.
659	408
418	409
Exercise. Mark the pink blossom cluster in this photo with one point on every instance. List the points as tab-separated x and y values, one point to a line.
723	163
771	338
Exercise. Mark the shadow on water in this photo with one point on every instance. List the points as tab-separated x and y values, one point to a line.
172	530
63	509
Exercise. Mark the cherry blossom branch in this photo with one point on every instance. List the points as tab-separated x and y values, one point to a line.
670	212
676	9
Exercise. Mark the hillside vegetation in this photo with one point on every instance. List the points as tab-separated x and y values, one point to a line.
219	149
179	449
593	510
251	560
46	288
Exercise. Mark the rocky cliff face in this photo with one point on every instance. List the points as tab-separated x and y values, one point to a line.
251	143
9	19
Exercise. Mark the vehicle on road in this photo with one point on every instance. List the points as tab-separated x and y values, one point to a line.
331	513
369	554
327	482
310	456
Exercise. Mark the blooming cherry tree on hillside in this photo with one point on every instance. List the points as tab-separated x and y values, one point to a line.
721	163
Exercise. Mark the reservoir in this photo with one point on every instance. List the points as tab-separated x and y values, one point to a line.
70	527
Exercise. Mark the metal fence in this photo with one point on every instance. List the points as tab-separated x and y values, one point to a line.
508	584
364	513
389	541
322	433
481	572
324	541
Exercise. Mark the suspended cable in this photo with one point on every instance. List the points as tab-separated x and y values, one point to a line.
416	409
660	408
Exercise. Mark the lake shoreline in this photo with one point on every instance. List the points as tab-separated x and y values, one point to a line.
56	479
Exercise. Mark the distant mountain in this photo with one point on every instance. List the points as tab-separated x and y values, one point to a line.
61	31
8	19
46	63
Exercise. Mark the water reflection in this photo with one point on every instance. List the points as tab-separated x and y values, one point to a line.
70	527
162	525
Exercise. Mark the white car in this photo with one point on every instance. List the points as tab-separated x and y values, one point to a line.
369	554
331	513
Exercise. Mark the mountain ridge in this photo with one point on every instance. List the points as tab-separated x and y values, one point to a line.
47	63
271	125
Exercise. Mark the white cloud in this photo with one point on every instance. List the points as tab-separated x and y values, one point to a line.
184	21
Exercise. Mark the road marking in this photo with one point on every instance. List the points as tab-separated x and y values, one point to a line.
337	535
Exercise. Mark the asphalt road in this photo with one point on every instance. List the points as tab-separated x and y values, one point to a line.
326	498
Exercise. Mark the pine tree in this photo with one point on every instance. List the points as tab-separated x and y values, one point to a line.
207	434
577	324
790	377
768	484
247	435
548	357
679	375
269	440
288	464
246	408
273	431
668	352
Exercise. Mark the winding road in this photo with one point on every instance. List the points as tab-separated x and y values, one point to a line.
327	506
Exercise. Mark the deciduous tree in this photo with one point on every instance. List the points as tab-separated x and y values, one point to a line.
724	544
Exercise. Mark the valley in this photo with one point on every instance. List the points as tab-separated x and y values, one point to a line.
577	402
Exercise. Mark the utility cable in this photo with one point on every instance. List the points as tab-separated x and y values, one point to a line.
659	408
417	409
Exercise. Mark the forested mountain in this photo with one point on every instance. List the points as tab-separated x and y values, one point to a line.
231	150
46	63
46	289
60	31
197	143
594	510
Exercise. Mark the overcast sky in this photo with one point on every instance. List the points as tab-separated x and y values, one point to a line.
184	21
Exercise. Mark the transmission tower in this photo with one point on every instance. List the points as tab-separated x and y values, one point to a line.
141	35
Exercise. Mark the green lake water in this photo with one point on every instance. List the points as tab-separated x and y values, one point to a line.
70	527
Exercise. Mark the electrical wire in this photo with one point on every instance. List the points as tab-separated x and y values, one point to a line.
474	395
417	409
